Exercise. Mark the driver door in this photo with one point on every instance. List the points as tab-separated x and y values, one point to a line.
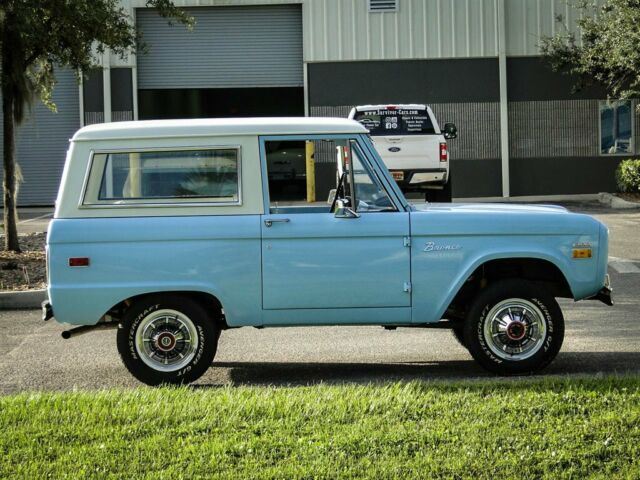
323	263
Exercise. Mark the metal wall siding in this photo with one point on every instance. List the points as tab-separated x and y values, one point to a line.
479	135
42	142
528	21
559	128
341	30
229	47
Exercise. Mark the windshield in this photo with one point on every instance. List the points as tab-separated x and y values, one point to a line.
396	122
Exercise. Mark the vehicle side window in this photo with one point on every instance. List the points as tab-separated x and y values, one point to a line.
369	193
302	174
305	176
176	176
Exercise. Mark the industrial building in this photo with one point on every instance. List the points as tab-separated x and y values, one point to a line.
521	129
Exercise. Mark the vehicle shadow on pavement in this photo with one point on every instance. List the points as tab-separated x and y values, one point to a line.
336	373
298	373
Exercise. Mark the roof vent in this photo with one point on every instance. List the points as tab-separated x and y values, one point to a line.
383	5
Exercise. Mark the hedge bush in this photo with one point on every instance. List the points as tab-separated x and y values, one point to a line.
628	176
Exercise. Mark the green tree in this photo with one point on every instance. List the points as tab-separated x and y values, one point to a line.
609	53
38	36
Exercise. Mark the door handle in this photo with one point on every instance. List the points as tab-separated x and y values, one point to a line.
270	221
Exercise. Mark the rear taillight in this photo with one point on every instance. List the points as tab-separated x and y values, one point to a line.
443	152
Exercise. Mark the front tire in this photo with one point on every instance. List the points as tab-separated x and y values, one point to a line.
167	340
514	327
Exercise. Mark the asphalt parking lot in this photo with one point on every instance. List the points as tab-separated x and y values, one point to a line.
599	340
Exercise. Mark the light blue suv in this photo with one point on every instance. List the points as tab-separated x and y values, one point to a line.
173	231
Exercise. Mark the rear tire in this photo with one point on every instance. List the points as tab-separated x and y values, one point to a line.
514	327
167	340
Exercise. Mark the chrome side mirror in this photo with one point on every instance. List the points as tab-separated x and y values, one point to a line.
344	211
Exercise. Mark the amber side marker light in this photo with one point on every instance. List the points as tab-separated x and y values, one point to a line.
581	253
79	262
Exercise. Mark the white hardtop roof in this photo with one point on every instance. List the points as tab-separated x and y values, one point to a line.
218	127
384	106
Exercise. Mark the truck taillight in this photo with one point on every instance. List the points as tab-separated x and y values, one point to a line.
443	152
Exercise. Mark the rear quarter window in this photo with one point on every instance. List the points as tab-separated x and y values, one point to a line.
396	122
175	176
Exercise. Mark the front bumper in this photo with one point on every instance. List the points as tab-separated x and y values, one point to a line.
605	295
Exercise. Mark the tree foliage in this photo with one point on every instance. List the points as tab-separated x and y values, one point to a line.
628	176
609	51
38	36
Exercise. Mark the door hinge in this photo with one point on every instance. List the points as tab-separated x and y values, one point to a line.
407	241
407	287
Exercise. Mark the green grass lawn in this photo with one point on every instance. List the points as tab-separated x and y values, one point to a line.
487	429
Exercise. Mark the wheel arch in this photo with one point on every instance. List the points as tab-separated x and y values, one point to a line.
539	269
206	299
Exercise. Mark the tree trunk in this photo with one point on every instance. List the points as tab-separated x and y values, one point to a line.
9	183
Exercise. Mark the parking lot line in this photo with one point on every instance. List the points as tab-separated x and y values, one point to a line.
622	265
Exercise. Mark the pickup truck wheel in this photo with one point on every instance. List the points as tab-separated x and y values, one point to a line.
514	327
167	340
444	195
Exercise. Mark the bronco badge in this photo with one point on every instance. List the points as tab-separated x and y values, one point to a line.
434	247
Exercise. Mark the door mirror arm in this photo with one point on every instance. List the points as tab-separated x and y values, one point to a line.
344	211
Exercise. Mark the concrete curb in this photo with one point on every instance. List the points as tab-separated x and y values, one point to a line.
29	299
616	202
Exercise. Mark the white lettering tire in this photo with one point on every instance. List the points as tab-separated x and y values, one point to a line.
514	327
167	340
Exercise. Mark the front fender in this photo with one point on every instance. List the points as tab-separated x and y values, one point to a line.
439	276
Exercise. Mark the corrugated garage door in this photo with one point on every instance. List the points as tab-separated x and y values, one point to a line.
253	46
42	142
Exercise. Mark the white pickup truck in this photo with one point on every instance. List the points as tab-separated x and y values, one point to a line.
412	146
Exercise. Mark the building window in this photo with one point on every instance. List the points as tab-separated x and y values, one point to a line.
93	96
616	127
121	94
164	177
383	5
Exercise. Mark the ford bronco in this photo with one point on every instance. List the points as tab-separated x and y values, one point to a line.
174	231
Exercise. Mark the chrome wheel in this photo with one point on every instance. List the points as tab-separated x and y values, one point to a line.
515	329
166	340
